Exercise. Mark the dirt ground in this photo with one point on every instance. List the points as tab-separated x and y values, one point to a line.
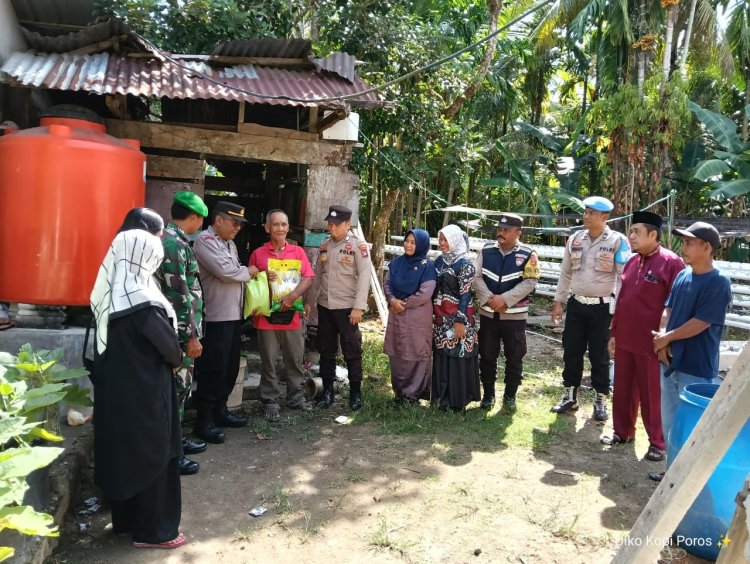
440	487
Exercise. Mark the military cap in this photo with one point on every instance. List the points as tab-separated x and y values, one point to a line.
235	211
510	220
648	218
191	201
598	203
701	230
338	214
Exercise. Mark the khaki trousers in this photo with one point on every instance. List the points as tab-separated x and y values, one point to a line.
292	347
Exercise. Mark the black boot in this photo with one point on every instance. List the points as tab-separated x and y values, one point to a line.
188	467
225	418
206	429
193	446
488	397
327	400
569	401
355	396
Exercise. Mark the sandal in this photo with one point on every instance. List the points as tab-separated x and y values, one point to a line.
614	440
654	454
176	542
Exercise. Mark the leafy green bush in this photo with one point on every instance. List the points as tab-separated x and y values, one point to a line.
31	387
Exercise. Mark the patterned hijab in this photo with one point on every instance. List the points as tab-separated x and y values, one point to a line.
408	273
458	243
125	282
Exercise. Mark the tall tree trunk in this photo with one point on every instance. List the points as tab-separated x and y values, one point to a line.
410	209
686	43
493	7
641	53
380	229
667	58
747	101
418	213
451	189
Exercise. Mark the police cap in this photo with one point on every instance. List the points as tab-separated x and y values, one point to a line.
510	220
235	211
598	203
191	201
338	214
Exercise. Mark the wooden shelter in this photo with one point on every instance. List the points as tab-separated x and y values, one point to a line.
273	123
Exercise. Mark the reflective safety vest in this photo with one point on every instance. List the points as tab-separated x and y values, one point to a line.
503	272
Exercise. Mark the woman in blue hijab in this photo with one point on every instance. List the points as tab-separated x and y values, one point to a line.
409	286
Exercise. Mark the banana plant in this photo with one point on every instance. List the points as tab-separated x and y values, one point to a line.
728	172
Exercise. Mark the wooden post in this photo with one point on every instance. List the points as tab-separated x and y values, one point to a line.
734	551
377	291
313	127
725	415
241	115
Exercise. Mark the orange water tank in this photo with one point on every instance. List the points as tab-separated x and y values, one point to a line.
65	188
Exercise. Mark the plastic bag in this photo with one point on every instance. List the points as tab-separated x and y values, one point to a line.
257	296
288	276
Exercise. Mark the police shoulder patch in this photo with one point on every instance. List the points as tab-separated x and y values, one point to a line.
363	249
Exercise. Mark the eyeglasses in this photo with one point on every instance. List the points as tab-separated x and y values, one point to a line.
235	224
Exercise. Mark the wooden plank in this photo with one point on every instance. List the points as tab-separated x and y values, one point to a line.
377	291
245	146
716	430
255	129
158	166
241	114
327	185
97	47
313	127
738	534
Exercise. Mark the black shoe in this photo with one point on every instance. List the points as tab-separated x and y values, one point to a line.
568	401
225	418
209	432
355	401
656	476
509	405
600	407
188	467
193	446
488	401
326	401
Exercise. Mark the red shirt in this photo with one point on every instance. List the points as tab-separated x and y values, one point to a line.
259	259
646	282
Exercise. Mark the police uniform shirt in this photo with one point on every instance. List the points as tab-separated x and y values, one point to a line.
529	280
342	274
222	276
591	268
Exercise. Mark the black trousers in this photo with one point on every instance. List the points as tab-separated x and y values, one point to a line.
216	369
332	325
511	333
152	516
586	326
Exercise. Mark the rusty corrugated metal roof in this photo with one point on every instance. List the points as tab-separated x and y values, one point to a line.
91	35
270	47
103	73
340	63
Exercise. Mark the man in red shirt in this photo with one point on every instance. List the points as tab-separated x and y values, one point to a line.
646	281
282	330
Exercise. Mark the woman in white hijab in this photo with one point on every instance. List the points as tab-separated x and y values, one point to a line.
136	425
455	368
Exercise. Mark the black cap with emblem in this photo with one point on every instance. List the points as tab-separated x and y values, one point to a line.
234	211
338	214
510	220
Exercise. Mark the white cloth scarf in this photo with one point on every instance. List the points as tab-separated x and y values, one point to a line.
126	283
457	243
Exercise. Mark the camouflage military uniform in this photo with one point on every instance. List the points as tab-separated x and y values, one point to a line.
179	280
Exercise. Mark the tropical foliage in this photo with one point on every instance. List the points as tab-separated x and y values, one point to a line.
31	387
611	82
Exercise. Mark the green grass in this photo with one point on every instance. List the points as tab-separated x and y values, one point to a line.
533	426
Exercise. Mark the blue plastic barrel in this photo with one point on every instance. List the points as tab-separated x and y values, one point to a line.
708	519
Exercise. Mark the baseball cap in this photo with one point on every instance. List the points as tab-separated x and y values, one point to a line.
701	230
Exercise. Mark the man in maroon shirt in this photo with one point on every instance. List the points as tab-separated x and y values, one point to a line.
646	281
